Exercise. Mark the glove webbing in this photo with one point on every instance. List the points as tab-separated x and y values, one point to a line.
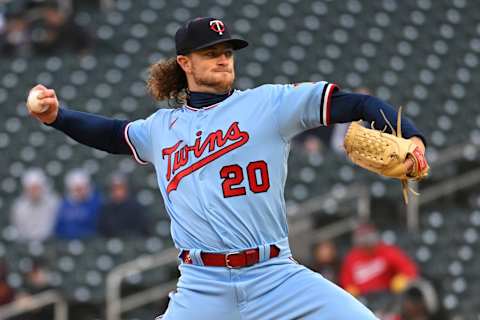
398	133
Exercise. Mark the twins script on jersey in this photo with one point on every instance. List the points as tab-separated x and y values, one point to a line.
222	169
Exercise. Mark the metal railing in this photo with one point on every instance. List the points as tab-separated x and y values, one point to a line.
35	302
445	187
116	304
357	192
439	190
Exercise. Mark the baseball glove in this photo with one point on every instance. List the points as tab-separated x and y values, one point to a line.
385	153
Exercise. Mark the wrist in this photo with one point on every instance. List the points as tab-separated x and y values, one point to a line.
419	142
53	118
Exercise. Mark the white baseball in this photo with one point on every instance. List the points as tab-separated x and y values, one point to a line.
34	103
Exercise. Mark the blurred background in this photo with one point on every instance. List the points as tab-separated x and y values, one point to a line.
84	235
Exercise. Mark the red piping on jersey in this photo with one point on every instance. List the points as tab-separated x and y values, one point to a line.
130	144
326	103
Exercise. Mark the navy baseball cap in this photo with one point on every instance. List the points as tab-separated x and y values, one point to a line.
201	33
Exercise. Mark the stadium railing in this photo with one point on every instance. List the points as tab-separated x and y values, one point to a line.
116	304
35	302
445	186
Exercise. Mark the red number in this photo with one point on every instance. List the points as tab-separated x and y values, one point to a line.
233	176
252	176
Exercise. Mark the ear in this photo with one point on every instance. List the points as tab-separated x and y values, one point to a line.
185	63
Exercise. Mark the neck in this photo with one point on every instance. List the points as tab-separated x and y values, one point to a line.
199	100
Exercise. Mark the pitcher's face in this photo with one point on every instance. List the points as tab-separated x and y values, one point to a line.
210	69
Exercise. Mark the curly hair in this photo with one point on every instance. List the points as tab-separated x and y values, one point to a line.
167	80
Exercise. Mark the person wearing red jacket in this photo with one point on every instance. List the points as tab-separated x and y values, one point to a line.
7	294
372	266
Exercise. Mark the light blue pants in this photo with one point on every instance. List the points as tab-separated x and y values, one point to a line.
276	289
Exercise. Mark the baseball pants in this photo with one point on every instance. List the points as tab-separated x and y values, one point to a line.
275	289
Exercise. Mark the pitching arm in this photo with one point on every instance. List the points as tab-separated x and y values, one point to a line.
92	130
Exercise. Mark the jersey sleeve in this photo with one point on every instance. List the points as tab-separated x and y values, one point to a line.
139	139
299	107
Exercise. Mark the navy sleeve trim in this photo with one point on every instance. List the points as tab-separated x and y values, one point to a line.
325	103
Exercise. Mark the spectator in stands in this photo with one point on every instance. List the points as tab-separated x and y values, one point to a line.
40	27
313	144
326	260
316	140
37	278
6	292
53	30
420	302
122	215
78	213
372	266
33	214
15	36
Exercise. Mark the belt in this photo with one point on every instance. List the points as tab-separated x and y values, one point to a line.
233	260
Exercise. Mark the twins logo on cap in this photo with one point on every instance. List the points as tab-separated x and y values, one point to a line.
217	26
197	34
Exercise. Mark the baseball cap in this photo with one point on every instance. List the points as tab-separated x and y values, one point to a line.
201	33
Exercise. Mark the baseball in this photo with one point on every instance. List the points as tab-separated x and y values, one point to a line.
34	104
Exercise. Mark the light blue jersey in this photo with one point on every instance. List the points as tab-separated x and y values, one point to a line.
222	169
222	172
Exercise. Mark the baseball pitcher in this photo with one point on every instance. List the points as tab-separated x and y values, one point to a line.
221	163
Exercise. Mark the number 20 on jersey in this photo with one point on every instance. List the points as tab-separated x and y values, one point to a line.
233	177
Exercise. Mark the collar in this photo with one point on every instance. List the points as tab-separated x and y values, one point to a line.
204	101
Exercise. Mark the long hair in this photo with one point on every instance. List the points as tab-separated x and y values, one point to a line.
167	81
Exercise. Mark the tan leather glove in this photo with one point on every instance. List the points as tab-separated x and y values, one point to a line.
385	154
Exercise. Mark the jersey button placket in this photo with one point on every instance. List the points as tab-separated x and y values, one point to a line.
198	120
